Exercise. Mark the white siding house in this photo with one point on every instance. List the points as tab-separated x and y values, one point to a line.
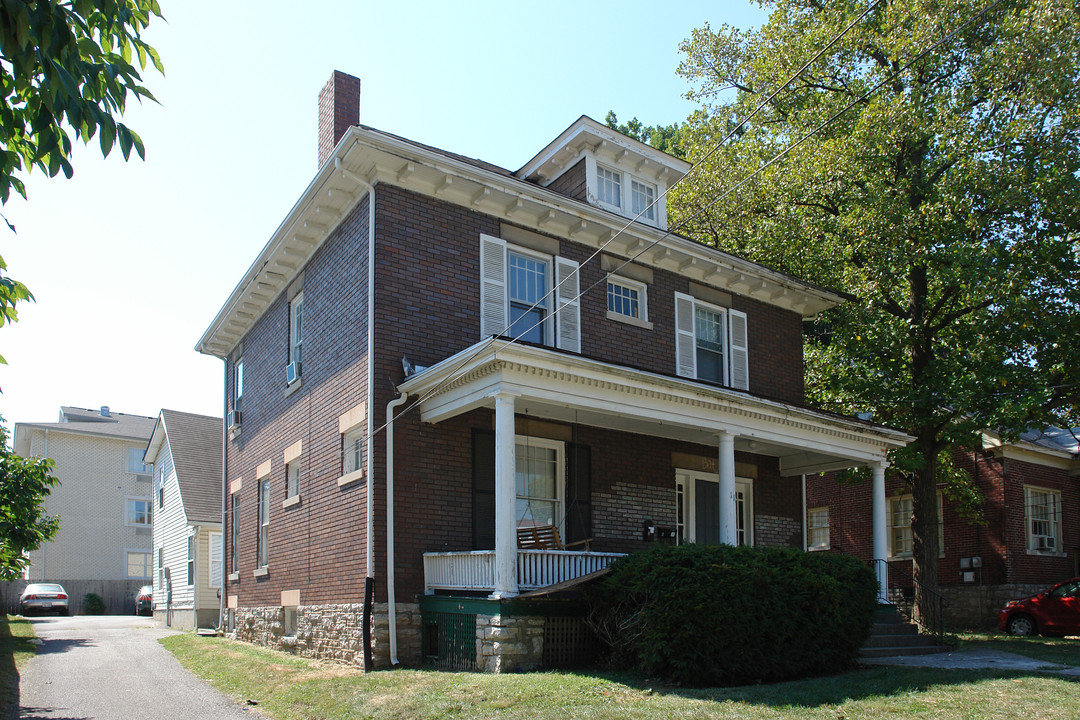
187	550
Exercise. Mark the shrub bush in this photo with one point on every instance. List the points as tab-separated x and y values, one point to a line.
93	604
722	615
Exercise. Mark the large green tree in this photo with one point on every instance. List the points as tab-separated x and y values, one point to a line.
24	485
66	71
937	183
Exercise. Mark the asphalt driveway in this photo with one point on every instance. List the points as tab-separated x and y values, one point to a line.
112	667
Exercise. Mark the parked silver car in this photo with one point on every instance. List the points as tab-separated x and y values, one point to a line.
43	597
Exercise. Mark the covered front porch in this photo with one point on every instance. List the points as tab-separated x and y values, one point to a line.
532	383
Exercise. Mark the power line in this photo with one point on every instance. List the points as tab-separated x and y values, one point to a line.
507	342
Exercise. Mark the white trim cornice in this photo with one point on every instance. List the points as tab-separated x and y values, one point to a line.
366	157
556	385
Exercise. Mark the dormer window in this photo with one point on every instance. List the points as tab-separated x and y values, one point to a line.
642	197
609	186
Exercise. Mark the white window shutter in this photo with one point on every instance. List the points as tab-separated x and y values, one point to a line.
737	350
685	345
493	308
568	311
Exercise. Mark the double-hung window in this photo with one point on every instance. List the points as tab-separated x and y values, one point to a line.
711	343
900	541
528	296
528	288
626	299
138	512
234	532
296	337
540	468
136	465
642	197
191	560
609	186
352	459
817	528
264	522
1042	519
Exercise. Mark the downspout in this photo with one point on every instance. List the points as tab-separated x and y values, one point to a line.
391	600
45	510
804	547
369	579
224	490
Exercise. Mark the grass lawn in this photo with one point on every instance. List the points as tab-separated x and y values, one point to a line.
15	649
1063	651
287	687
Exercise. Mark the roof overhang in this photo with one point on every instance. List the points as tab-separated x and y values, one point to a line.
552	385
366	157
1030	452
157	440
587	134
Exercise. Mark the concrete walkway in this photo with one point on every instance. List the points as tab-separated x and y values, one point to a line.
977	659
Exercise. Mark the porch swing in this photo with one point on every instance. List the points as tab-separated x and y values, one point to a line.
545	536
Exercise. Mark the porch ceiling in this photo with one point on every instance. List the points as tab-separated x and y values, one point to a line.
555	386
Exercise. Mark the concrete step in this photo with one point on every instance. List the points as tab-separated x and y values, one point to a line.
872	652
894	641
894	629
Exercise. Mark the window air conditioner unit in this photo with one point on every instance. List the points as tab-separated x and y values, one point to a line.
234	418
292	372
1045	542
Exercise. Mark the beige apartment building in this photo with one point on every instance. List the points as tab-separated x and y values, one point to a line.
105	499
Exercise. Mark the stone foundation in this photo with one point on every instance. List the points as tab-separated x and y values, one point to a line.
509	643
976	606
332	632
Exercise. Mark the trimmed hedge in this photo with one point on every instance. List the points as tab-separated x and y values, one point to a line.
93	604
722	615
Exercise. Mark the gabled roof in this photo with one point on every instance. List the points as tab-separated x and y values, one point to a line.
82	421
195	445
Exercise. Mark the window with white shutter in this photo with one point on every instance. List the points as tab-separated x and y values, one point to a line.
517	298
711	343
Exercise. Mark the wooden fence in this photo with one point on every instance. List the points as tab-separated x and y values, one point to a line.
118	595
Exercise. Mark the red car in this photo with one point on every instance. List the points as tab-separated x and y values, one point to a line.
1052	612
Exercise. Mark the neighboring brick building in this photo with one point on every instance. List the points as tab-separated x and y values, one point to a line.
1028	540
655	389
103	500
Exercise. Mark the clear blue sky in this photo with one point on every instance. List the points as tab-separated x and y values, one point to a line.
130	262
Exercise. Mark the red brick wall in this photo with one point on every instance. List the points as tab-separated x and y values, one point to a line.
1000	542
317	545
427	282
572	183
339	109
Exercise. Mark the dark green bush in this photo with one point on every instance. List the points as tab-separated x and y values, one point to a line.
93	604
722	615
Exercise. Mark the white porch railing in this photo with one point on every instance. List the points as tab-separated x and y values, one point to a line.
536	569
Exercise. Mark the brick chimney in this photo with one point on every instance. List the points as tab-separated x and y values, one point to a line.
339	109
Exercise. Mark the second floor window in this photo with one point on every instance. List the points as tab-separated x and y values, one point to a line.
296	330
528	281
138	512
711	343
292	479
135	462
528	295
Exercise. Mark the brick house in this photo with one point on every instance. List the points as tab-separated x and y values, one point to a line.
433	354
1030	538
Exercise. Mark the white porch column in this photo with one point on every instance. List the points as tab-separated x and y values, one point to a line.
729	527
881	546
506	584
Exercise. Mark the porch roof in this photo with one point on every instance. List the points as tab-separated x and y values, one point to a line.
569	388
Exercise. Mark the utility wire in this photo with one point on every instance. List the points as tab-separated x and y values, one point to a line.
507	342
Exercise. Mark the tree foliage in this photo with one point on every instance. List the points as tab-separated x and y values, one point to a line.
66	70
661	137
24	485
947	201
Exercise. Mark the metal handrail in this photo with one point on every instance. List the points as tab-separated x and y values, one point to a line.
934	625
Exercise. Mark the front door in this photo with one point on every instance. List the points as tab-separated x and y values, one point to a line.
697	506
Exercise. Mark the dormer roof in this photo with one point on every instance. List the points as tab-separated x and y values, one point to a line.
588	137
